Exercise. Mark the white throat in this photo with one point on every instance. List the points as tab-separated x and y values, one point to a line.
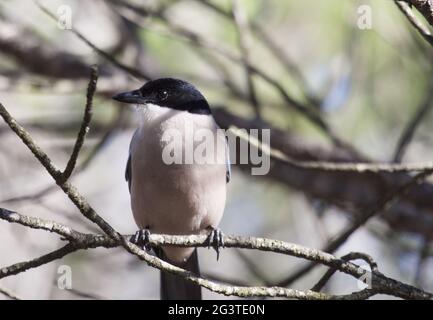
151	113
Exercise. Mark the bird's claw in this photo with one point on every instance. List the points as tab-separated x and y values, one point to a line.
216	240
142	238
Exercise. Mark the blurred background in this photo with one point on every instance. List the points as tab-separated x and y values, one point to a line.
330	89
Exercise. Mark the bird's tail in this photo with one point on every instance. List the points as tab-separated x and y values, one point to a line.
176	288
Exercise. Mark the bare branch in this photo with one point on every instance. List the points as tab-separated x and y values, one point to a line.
425	7
381	284
273	47
331	166
34	263
348	257
418	25
253	268
413	124
28	141
182	33
67	188
423	254
24	47
36	223
363	217
112	238
85	295
241	24
9	293
132	71
84	124
352	192
111	129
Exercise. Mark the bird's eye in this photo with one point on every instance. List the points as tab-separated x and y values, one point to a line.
162	95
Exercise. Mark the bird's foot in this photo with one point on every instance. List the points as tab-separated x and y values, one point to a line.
142	238
216	240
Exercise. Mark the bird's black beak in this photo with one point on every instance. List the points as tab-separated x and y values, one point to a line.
130	97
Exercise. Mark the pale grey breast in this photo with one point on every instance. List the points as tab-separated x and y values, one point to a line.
176	198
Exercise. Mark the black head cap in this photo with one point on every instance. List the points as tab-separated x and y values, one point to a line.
168	92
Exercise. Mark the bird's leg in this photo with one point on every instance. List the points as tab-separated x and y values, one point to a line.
216	239
141	238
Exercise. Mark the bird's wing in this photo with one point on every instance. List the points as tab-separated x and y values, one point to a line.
128	169
228	164
128	176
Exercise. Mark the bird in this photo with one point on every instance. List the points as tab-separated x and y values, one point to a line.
179	198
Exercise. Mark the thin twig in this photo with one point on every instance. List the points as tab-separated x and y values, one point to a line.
345	234
91	88
253	268
352	192
190	36
273	47
418	25
413	124
67	188
31	145
9	293
84	295
425	7
384	204
37	223
348	257
423	254
223	72
223	279
242	28
34	263
330	166
112	128
132	71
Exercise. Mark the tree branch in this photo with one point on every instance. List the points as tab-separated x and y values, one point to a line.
425	7
273	48
418	25
331	166
9	293
132	71
89	212
241	23
78	240
413	124
91	88
348	257
349	190
182	33
107	135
